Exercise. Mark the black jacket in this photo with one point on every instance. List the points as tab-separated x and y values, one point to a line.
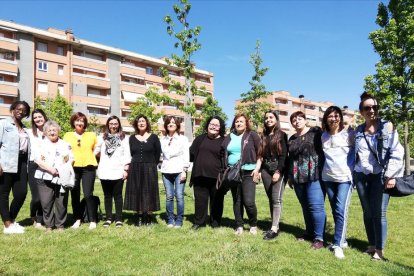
250	151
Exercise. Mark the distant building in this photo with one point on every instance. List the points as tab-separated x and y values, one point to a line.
286	104
97	79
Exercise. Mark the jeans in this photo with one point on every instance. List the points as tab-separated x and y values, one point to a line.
35	207
374	205
87	175
173	186
311	196
113	189
245	195
17	183
339	194
274	191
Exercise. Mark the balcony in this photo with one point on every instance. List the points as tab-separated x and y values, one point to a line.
8	66
89	63
51	57
134	71
90	78
8	88
9	44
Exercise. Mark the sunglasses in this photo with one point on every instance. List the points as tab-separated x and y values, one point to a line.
79	144
170	141
368	108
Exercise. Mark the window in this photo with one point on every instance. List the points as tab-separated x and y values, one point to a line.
61	89
60	51
149	70
42	66
1	100
42	47
1	78
97	111
42	87
172	73
60	70
159	73
7	56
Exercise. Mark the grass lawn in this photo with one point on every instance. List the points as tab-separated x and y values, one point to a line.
158	250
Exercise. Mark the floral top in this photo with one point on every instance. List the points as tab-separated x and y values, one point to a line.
305	156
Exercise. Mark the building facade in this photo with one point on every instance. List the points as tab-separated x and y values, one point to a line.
286	104
96	79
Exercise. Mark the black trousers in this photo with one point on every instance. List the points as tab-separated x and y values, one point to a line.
113	189
17	183
35	206
87	176
245	195
204	189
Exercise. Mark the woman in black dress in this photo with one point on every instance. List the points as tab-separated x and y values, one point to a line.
142	194
205	153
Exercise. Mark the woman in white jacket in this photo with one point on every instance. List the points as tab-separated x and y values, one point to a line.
115	156
175	163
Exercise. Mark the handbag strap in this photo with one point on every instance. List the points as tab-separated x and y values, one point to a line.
372	151
243	147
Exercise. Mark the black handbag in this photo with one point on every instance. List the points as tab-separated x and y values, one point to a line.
404	186
270	166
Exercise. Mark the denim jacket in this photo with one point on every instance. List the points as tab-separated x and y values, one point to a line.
9	145
389	153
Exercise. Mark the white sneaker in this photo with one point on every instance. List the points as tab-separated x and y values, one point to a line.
344	245
38	225
239	231
12	229
170	225
338	252
92	225
76	224
18	226
253	230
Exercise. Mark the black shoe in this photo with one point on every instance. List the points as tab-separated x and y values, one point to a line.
140	221
196	226
215	224
270	235
267	232
149	219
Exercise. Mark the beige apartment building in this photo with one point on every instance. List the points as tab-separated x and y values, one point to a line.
286	104
97	79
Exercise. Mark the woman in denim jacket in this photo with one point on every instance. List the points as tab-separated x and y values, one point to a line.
14	148
379	159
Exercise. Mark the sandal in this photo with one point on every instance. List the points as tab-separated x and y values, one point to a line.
107	223
119	224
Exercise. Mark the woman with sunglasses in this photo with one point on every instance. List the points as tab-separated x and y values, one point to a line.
175	163
205	155
338	147
36	136
115	156
379	159
14	148
83	145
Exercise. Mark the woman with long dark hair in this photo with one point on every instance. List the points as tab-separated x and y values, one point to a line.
36	136
205	155
115	156
14	148
272	157
243	143
338	148
379	159
142	193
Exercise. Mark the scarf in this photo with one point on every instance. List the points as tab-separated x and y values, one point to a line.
112	141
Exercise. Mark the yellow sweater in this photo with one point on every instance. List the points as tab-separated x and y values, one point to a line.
82	148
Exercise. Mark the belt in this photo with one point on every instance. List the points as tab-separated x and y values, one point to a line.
21	152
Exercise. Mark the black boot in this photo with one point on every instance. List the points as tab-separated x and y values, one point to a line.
149	219
140	221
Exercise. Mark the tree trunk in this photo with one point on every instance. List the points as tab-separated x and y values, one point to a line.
407	149
188	131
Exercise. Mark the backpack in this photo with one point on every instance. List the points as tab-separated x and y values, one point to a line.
96	209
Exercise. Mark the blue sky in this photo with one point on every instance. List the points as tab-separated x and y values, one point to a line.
316	48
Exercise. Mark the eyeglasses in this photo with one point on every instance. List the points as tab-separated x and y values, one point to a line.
368	108
214	125
170	141
79	144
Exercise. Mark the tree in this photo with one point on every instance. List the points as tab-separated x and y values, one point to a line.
146	108
251	104
57	109
393	81
210	108
93	125
187	44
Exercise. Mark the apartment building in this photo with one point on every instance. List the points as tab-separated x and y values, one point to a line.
97	79
286	104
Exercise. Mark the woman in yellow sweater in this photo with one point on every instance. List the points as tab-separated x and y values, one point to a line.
82	144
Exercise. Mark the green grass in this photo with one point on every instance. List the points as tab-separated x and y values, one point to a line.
157	250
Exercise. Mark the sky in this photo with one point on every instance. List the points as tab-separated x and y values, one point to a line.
319	49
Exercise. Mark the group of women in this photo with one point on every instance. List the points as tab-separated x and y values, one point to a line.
313	161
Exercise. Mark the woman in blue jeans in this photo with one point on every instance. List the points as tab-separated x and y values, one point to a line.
379	159
338	148
305	164
175	163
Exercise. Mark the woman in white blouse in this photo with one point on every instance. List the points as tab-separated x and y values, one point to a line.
175	156
53	176
115	156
